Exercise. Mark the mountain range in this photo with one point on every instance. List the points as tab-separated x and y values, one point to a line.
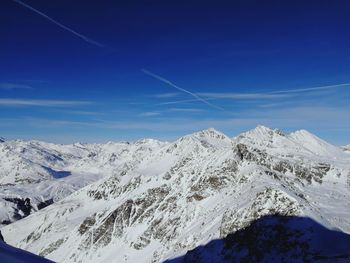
152	201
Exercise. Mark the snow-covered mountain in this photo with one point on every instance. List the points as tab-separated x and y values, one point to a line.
165	199
44	173
346	148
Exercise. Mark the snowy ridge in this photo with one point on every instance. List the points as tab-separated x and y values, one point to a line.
163	199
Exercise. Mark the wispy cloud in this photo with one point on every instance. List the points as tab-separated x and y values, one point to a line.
83	37
311	89
12	86
181	89
295	117
36	81
185	110
279	94
149	114
180	101
84	113
42	103
318	119
242	96
166	95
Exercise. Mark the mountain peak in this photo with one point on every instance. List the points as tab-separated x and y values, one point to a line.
206	137
2	139
209	132
314	144
261	132
305	136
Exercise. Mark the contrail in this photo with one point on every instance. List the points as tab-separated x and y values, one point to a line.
89	40
180	89
311	89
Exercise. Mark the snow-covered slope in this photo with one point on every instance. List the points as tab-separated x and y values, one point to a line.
45	172
180	195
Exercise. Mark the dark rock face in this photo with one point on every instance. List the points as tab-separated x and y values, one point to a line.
307	172
23	208
45	204
275	238
131	212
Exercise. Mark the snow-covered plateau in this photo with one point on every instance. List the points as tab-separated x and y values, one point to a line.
152	201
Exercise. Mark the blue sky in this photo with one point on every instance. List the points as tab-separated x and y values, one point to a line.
96	71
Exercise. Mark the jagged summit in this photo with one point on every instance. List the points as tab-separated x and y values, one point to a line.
261	137
263	132
2	139
205	138
211	133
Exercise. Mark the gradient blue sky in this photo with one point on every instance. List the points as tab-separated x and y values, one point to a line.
72	70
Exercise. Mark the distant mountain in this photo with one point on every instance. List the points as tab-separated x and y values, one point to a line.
155	201
346	148
44	173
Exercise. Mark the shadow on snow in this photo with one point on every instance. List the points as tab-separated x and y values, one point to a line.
275	238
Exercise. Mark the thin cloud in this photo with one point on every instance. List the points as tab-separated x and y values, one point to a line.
242	96
185	110
311	89
181	101
320	118
149	114
83	113
85	38
166	95
12	86
41	103
36	81
181	89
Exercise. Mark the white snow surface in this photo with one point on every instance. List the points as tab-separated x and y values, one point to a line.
154	201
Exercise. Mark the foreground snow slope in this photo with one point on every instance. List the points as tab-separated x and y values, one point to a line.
275	238
180	195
